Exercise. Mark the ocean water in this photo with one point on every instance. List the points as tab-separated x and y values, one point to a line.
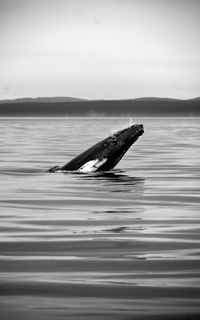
119	245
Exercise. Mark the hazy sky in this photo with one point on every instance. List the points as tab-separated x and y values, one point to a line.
100	48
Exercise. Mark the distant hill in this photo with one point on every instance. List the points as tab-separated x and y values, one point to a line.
43	100
62	106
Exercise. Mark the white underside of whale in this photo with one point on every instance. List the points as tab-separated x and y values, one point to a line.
92	166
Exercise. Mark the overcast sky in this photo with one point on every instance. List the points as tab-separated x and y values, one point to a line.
100	48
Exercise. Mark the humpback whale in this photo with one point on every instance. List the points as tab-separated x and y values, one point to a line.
104	155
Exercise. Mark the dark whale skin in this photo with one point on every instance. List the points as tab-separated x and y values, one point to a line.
111	150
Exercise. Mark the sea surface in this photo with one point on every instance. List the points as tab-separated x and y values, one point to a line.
121	245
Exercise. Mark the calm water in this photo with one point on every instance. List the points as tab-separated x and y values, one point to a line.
121	245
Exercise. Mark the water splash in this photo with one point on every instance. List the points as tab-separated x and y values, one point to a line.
128	123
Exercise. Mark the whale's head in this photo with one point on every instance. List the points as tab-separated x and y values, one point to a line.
115	146
104	155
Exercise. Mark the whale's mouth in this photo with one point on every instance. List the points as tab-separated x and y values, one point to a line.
141	129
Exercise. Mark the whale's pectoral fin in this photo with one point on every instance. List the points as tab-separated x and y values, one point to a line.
92	166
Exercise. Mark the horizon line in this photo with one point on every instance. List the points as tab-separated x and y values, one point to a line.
95	99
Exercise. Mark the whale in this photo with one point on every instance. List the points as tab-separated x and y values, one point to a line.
104	155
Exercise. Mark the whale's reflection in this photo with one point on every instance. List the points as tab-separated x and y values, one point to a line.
115	181
114	176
